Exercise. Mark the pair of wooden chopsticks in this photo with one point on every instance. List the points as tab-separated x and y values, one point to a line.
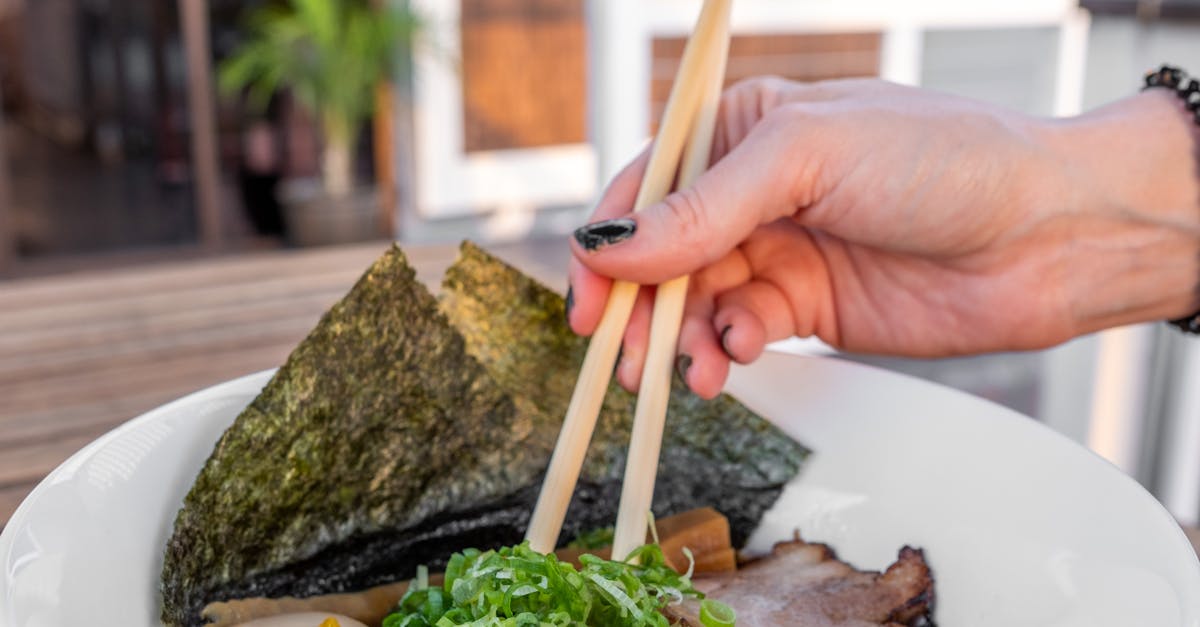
687	124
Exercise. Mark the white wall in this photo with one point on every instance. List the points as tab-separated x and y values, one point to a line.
1122	50
1013	67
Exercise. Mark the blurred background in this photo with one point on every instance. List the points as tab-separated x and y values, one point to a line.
140	157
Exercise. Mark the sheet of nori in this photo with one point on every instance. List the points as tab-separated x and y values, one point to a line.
378	430
715	453
384	443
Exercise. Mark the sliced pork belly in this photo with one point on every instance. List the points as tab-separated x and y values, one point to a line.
805	585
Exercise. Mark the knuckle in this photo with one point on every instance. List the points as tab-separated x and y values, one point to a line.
773	89
748	85
763	84
762	92
786	116
687	212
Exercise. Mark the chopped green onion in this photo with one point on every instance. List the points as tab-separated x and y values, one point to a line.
518	587
594	539
714	613
691	562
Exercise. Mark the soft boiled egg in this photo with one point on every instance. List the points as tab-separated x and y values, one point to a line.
305	619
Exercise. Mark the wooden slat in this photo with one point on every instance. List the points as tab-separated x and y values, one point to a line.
88	416
114	333
10	498
107	383
26	464
140	280
101	306
85	308
23	373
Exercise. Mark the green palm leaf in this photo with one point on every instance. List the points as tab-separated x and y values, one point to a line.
329	54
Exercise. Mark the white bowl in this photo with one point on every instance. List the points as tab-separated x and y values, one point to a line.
1022	526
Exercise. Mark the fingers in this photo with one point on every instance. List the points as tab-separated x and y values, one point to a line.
744	104
701	362
755	183
690	229
746	188
749	316
588	290
587	294
635	342
743	334
619	196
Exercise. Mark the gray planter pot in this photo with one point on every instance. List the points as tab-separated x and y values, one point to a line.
313	218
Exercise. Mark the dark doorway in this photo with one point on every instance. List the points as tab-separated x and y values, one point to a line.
95	127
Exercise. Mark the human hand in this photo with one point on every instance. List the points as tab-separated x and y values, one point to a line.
894	220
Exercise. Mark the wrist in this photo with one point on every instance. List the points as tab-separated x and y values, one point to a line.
1130	211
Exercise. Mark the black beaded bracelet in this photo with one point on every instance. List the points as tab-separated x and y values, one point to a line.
1188	90
1178	81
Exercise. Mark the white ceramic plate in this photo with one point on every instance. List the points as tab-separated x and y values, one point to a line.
1022	526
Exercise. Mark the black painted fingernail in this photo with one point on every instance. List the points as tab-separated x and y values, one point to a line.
682	363
606	233
725	339
570	304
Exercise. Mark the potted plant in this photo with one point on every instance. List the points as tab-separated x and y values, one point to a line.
330	55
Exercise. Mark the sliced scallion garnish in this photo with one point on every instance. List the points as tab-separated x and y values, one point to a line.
714	613
518	587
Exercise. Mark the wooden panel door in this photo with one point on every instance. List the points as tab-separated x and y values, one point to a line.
500	110
524	73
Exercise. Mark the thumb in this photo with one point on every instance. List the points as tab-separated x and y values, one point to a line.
691	228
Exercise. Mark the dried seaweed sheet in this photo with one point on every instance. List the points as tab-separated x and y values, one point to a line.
715	453
384	442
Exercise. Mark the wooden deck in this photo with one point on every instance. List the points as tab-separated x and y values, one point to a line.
84	352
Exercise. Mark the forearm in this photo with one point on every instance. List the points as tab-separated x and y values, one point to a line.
1129	218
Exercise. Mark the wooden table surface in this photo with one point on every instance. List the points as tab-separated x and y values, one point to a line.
82	353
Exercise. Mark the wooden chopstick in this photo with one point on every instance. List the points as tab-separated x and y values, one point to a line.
596	372
654	392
